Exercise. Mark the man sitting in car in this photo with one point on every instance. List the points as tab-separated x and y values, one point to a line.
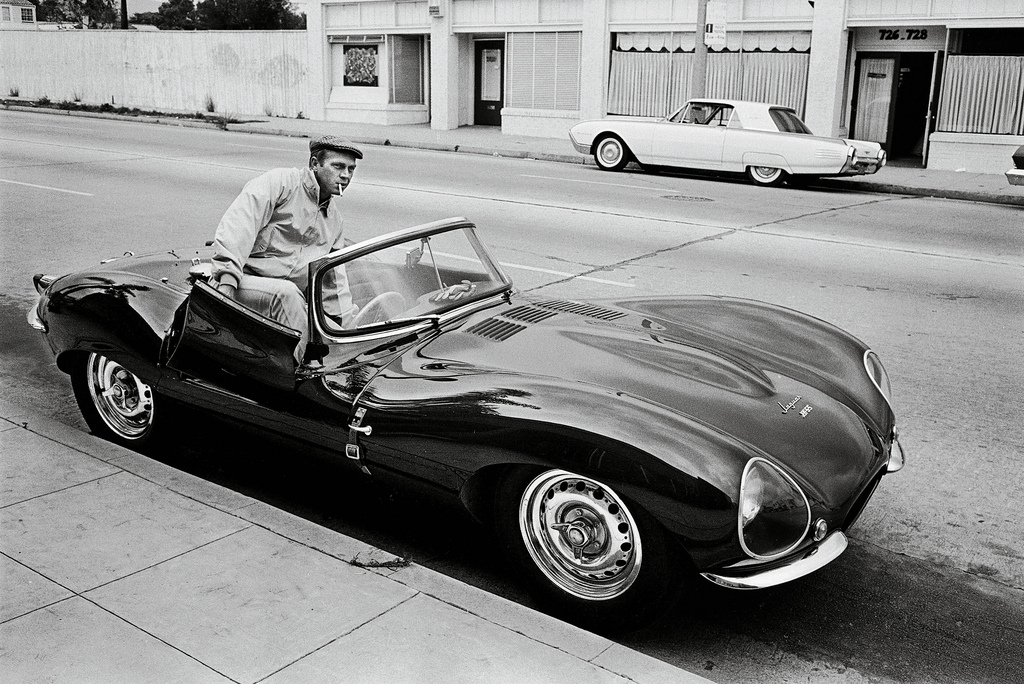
281	222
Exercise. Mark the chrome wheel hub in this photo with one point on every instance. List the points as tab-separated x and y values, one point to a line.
124	402
580	535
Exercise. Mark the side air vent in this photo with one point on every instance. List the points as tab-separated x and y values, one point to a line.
495	329
582	309
528	314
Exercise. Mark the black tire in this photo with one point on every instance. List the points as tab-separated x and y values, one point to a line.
611	154
115	403
768	176
608	566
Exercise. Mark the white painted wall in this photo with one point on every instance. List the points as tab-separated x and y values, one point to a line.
256	73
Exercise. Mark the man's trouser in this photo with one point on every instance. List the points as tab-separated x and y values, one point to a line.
279	299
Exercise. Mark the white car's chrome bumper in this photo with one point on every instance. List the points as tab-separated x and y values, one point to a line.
805	563
1015	176
582	148
861	165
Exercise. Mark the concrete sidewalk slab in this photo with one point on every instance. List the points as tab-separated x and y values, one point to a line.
87	535
117	568
252	603
77	642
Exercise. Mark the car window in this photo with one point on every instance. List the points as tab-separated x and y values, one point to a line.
787	121
704	114
420	277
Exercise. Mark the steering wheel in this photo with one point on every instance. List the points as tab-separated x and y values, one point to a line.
383	307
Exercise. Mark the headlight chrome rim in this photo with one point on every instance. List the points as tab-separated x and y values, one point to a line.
881	383
789	480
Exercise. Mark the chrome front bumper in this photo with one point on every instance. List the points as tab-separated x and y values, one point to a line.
580	147
805	563
1015	176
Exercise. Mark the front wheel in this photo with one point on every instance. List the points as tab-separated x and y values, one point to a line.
611	154
768	176
592	558
115	403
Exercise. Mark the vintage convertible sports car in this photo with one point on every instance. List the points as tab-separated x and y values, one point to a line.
617	448
768	142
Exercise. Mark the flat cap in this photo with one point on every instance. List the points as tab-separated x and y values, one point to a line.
333	142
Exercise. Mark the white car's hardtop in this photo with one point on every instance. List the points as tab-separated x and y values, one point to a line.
750	115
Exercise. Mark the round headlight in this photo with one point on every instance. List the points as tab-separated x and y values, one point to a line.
880	379
774	515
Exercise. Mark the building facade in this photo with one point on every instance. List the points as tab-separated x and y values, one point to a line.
17	15
937	82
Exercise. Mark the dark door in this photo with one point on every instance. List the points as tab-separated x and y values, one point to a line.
891	104
490	82
910	118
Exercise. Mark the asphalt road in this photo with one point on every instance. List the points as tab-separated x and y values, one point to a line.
932	586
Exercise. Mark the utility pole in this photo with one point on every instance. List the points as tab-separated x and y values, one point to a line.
124	14
699	73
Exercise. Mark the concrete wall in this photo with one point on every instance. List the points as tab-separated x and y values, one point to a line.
257	73
972	152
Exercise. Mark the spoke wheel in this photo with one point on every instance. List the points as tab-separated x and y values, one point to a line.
580	535
591	557
766	175
116	404
611	154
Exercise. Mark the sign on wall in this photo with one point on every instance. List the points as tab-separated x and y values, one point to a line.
714	24
898	38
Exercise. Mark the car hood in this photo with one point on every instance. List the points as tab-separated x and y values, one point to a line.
783	383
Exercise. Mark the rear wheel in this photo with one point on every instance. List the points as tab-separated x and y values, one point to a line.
766	175
611	154
115	403
592	558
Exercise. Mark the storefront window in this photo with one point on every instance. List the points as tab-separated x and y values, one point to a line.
406	69
361	65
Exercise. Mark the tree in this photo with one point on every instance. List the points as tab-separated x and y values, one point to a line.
234	15
172	15
90	13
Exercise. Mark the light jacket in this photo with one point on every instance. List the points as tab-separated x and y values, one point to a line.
275	228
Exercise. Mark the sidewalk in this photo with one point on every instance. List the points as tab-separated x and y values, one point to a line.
117	568
893	179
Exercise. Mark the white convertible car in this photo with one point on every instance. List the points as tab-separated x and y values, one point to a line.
768	142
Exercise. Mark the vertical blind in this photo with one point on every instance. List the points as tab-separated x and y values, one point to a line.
657	83
982	94
543	70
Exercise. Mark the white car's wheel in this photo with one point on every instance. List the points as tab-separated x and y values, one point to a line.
766	175
611	154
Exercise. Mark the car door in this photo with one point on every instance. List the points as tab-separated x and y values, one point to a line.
694	137
217	340
410	287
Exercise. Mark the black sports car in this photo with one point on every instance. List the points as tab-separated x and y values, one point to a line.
616	447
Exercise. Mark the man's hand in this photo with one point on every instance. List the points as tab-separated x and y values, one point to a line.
226	289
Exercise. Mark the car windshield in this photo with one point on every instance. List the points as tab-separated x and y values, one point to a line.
788	121
423	276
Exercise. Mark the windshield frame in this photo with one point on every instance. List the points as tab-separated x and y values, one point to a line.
324	331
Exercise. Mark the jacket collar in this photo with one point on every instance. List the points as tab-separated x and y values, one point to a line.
313	189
